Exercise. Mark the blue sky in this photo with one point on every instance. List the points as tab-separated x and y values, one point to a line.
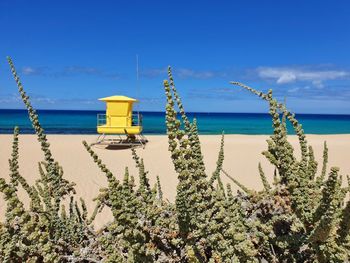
69	53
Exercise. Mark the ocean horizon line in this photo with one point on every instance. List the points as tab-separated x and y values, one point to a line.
187	112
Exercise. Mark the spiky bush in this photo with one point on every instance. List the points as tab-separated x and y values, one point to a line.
302	216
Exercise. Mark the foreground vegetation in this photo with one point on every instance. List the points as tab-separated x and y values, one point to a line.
302	216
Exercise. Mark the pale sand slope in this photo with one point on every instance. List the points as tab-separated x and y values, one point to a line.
242	154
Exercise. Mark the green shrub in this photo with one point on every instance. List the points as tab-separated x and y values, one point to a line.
301	217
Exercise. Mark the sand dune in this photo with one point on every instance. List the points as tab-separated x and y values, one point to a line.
242	154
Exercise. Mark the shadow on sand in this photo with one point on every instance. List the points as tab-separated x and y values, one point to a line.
116	147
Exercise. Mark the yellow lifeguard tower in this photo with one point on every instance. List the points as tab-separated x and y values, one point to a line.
119	120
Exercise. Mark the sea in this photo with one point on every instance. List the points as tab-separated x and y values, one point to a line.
84	122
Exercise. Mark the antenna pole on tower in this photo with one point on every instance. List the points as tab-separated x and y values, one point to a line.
137	85
137	67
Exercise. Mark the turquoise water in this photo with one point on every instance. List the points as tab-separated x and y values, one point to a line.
84	122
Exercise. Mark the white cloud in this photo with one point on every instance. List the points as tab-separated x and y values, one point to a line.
189	73
285	75
318	84
30	71
44	100
155	72
69	71
184	73
294	89
10	98
286	78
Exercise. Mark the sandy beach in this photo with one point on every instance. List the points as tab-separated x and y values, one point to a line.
242	154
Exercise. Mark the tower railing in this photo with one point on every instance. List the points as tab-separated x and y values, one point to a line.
101	119
136	119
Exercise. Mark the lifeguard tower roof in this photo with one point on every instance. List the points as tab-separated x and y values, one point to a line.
118	98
